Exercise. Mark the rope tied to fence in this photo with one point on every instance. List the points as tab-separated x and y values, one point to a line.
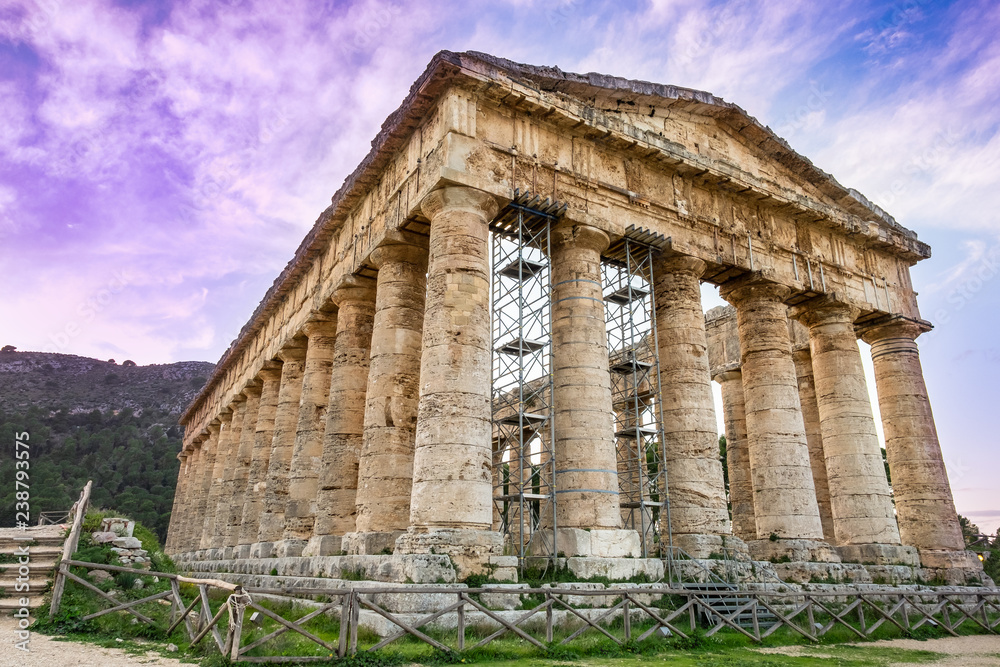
237	602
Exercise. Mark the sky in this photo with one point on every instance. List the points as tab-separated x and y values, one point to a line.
161	161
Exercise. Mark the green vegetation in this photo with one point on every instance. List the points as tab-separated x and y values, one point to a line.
131	459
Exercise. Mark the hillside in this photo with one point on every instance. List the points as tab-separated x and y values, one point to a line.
92	419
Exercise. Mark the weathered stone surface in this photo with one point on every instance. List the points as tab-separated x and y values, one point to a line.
697	488
127	543
502	596
270	377
784	494
924	504
385	474
118	526
307	451
102	537
860	500
744	522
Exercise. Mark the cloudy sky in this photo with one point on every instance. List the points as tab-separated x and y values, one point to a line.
160	161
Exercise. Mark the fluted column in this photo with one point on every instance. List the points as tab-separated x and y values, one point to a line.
784	494
738	454
385	468
224	500
307	452
270	376
699	518
242	461
925	508
336	509
286	419
860	500
588	515
209	448
802	358
452	494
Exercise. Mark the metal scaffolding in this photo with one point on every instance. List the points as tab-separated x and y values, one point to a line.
523	440
630	313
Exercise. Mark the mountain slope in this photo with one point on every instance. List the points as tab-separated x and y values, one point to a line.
91	419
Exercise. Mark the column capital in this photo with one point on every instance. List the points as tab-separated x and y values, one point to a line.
756	286
568	232
675	263
292	352
460	197
728	373
398	253
320	324
252	388
895	327
214	427
240	397
270	371
353	288
824	310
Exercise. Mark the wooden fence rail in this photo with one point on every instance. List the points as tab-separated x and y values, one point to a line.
754	614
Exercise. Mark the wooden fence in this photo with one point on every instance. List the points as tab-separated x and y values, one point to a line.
635	614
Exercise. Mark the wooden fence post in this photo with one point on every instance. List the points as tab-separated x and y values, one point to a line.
69	547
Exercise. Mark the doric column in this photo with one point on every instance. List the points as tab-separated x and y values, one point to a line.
802	358
588	514
185	538
270	376
218	475
738	454
180	492
286	419
860	500
784	495
385	468
336	511
209	448
450	503
225	496
242	461
924	504
699	518
307	452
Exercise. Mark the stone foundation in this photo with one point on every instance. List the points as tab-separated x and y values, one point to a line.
808	551
471	551
597	542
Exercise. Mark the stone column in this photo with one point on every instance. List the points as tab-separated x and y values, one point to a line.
788	522
925	508
588	515
802	358
180	491
452	495
209	449
209	539
699	518
270	376
241	470
286	419
225	497
385	468
336	512
738	454
860	501
192	489
307	452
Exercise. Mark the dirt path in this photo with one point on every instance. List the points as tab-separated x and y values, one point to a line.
973	651
47	652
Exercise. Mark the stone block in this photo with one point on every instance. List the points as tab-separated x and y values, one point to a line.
581	600
469	550
879	554
119	526
103	537
793	550
127	543
616	569
260	550
323	545
289	548
370	544
502	596
598	542
502	568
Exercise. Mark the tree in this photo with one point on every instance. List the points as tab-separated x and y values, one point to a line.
128	363
8	348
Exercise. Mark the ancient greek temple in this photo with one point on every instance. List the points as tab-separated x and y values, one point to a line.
491	348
